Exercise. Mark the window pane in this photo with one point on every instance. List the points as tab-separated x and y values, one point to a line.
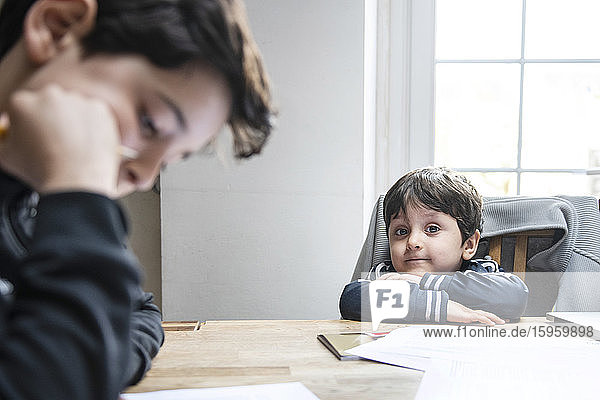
562	29
478	29
561	115
476	115
493	183
550	184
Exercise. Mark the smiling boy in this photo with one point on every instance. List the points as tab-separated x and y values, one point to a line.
433	220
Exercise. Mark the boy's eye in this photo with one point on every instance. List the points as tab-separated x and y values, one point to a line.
432	229
402	232
149	128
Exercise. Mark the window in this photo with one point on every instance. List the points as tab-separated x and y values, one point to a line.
517	94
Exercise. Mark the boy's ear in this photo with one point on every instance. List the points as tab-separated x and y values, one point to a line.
52	25
470	245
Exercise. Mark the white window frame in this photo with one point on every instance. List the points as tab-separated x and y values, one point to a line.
405	101
398	93
402	122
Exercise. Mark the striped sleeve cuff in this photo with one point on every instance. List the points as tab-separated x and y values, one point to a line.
435	282
431	306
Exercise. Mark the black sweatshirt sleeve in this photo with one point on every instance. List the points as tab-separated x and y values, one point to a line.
424	305
66	333
500	293
147	336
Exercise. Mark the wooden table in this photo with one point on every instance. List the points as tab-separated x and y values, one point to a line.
232	353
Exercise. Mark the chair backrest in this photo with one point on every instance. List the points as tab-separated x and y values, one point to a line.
521	250
376	247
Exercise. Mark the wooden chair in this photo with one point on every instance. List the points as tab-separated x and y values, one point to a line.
521	247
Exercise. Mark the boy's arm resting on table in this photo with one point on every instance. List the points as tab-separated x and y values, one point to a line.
147	336
500	293
424	305
66	333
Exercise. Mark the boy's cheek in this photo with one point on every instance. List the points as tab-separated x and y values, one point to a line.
395	254
398	246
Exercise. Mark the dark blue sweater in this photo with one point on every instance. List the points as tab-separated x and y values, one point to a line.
74	322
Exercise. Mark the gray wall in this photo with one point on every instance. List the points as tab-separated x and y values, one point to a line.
143	210
277	236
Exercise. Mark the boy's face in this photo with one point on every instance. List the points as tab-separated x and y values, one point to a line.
425	240
163	115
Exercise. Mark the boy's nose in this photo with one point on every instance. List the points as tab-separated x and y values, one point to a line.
141	172
145	175
414	242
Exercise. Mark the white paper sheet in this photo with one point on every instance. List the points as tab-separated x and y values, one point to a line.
492	368
408	347
459	380
276	391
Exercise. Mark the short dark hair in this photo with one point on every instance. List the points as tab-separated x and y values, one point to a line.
439	189
173	33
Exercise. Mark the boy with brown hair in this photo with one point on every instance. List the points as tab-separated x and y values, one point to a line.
433	222
96	96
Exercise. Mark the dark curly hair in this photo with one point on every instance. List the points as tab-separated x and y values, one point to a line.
173	33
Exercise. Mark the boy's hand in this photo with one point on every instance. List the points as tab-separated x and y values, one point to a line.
61	141
459	313
400	277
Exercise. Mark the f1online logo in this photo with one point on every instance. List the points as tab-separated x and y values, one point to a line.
388	299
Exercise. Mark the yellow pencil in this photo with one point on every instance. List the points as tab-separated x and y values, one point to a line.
127	153
3	124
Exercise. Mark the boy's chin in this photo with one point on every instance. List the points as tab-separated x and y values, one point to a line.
413	270
421	268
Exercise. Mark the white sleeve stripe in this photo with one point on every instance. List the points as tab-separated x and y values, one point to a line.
428	308
438	283
428	282
438	307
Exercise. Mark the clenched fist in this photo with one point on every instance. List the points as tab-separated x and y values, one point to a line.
60	140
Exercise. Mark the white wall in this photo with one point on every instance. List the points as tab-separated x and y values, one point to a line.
277	236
